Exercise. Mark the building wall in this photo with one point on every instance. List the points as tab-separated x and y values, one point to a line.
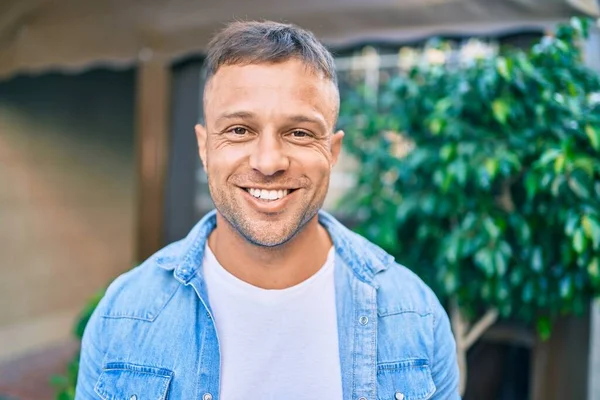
66	199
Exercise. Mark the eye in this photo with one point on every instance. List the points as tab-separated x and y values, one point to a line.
238	130
300	134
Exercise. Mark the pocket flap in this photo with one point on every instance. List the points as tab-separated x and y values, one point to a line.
124	381
405	380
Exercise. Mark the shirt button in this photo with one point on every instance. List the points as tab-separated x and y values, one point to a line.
207	396
399	396
133	397
363	320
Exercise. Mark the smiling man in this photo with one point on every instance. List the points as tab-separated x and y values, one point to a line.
268	297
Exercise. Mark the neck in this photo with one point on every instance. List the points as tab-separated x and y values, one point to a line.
271	267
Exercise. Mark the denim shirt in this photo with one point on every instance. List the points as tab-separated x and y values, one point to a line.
153	337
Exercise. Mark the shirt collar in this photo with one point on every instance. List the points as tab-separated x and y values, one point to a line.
363	257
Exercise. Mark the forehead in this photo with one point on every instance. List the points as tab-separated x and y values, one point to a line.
271	87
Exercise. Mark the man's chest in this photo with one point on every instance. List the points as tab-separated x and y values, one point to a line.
382	353
278	350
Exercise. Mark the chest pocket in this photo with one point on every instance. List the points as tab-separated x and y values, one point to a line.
405	380
124	381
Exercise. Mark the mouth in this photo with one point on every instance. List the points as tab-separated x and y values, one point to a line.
269	195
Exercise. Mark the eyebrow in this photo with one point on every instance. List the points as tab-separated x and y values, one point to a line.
236	115
299	118
304	118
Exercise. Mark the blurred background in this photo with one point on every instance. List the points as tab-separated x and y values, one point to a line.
99	167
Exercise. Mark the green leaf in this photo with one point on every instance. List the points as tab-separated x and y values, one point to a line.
491	166
544	328
460	170
504	68
585	164
443	105
450	282
556	184
64	396
537	260
491	228
549	156
591	228
559	164
579	241
525	65
436	125
484	260
566	288
531	185
500	264
593	270
524	232
58	381
578	187
447	152
572	222
516	277
500	109
593	135
527	293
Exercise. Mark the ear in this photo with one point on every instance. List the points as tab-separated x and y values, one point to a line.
201	138
336	146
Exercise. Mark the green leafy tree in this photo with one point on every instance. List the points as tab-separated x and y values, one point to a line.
485	179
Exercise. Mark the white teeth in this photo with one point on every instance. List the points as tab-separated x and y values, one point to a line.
268	194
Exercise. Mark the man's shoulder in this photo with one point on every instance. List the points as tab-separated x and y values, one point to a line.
143	291
400	290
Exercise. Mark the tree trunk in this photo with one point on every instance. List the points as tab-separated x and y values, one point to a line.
465	337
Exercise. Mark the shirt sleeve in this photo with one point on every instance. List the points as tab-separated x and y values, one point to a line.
445	366
90	361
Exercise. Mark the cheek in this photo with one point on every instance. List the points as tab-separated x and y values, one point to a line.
223	159
315	161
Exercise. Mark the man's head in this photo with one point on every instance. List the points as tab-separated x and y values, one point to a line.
270	104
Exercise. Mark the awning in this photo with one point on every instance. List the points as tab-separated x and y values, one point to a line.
41	35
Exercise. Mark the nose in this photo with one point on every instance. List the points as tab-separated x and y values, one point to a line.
268	156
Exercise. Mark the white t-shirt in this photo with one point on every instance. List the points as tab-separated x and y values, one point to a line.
276	344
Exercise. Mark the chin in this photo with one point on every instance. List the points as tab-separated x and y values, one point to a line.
261	237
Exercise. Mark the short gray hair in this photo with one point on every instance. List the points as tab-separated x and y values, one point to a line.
257	42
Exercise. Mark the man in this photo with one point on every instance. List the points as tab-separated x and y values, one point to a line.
268	297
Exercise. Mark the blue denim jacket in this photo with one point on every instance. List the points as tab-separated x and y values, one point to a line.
153	337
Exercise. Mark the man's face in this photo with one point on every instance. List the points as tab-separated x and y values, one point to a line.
268	147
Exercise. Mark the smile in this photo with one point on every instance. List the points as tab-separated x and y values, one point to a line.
268	195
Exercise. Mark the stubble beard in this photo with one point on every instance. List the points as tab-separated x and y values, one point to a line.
263	233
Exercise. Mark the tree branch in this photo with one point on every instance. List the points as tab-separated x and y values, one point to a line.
489	318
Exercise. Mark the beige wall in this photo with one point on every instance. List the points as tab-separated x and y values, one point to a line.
66	199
